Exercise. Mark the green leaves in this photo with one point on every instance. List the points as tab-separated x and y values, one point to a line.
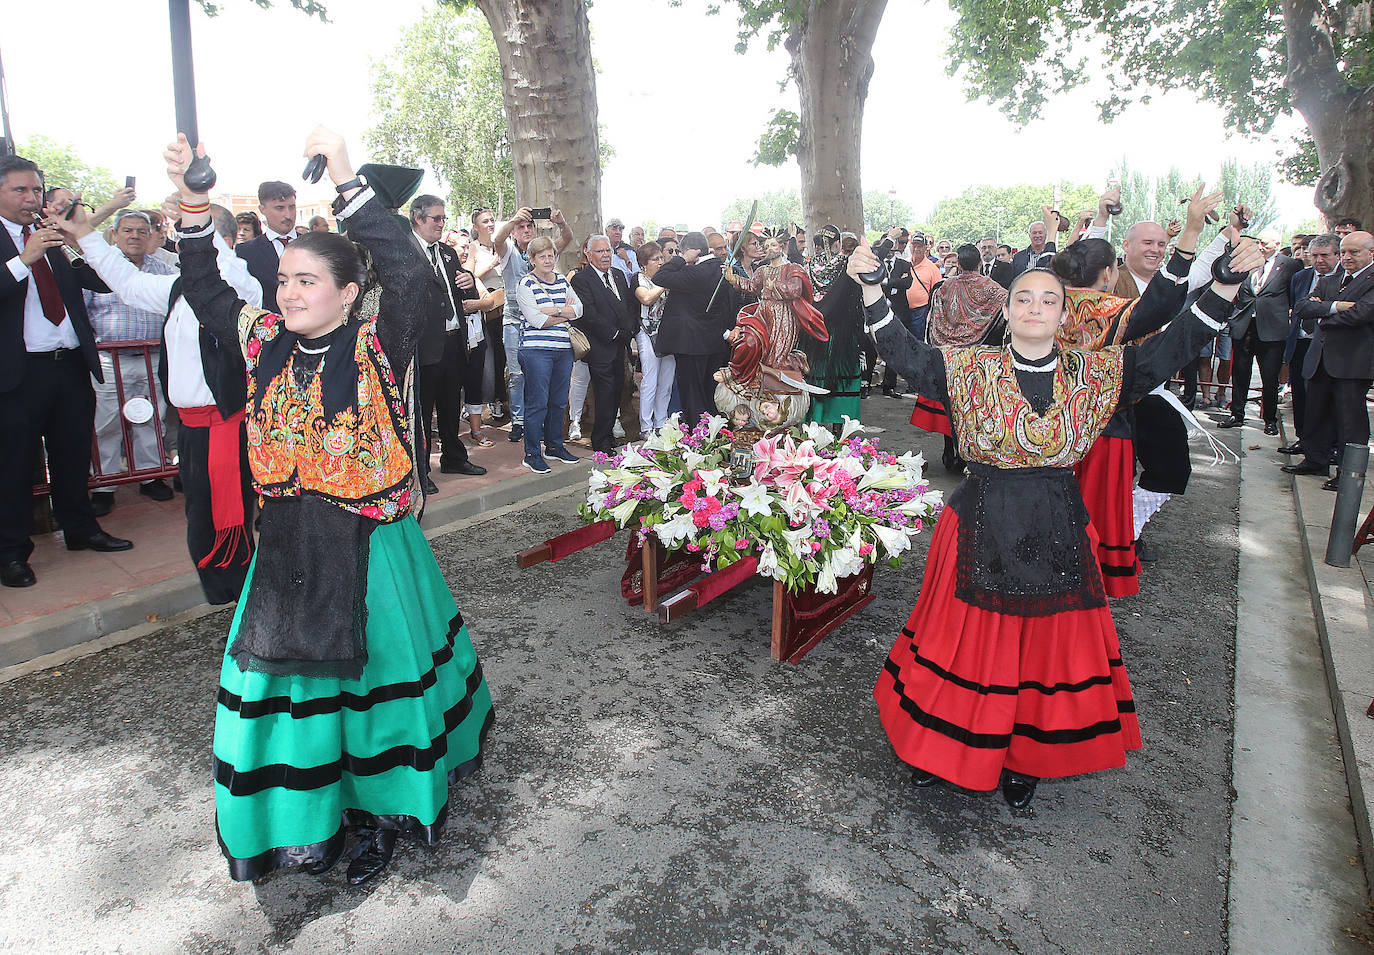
438	97
778	144
61	166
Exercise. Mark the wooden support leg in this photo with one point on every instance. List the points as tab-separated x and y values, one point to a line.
651	553
801	620
556	548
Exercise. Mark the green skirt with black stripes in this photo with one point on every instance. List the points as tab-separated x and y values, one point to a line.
299	759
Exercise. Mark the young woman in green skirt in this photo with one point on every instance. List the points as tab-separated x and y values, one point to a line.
350	696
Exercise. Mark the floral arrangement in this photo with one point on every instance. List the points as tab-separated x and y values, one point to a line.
812	508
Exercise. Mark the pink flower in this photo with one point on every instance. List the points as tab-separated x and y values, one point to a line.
865	550
741	544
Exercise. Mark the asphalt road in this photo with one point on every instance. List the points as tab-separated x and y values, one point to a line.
653	789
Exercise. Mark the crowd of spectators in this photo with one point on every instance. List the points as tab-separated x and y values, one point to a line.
519	345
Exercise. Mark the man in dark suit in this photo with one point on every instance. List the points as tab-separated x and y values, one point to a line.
448	367
1259	328
1340	360
610	319
1325	253
277	206
687	331
47	359
1040	250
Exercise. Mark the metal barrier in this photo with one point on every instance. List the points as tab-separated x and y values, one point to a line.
130	408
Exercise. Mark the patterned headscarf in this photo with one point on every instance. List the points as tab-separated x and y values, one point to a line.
962	309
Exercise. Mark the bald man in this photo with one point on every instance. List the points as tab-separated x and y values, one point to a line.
1259	329
1144	250
1340	361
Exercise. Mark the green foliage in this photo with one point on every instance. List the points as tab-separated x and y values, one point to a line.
778	143
1232	52
311	8
972	214
1300	167
776	209
882	210
438	99
61	166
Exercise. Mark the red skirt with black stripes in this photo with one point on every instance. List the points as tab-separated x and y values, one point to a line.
967	692
1105	476
930	415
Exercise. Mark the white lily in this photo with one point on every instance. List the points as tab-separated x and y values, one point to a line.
797	503
712	481
825	580
675	530
664	482
912	463
668	436
846	562
597	481
884	476
693	459
851	463
800	541
622	511
768	564
819	435
920	506
633	459
755	499
894	541
714	424
622	478
851	427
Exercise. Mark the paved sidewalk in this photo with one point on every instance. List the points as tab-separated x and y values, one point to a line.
1341	605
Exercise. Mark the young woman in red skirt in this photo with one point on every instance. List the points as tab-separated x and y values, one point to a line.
1009	668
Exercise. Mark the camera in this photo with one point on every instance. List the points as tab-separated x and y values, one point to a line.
543	212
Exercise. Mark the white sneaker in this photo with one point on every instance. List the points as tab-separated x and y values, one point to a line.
574	432
617	431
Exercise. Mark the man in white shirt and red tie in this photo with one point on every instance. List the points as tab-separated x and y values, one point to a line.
277	206
47	358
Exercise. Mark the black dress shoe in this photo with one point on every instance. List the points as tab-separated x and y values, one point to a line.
1332	485
864	392
17	573
1306	467
333	851
157	490
1018	790
102	542
889	393
371	858
467	467
1271	427
1144	552
102	502
1231	422
1291	449
922	779
431	487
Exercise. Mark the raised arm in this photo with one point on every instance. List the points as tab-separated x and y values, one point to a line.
1154	361
921	364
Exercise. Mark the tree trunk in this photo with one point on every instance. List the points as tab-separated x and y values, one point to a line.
1340	118
551	115
832	63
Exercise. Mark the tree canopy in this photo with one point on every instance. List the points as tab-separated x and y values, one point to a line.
973	214
62	166
438	99
1235	53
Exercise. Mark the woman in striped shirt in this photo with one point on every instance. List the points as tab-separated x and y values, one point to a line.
547	304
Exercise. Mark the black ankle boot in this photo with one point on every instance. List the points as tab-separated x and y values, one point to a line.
332	852
922	779
372	856
1018	789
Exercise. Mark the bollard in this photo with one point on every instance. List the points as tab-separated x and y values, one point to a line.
1345	517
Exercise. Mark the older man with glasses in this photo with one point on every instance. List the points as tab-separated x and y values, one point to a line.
115	322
